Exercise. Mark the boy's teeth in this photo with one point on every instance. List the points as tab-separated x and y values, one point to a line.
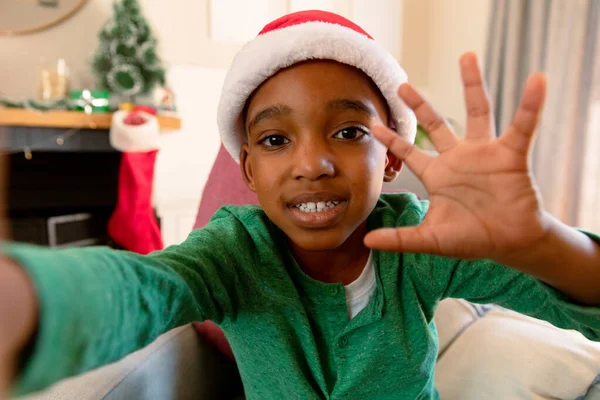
316	206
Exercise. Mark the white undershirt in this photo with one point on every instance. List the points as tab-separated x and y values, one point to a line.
359	292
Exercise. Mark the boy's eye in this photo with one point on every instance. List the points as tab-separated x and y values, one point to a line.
350	133
274	141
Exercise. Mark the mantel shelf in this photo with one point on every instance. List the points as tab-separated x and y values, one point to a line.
70	119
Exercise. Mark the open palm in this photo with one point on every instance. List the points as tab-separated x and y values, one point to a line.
483	200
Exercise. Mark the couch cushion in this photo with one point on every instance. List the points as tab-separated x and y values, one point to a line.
506	355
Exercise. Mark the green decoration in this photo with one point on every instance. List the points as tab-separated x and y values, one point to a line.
9	103
422	138
90	101
80	100
40	105
37	105
126	62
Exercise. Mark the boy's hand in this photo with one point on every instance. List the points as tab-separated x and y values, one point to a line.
483	200
18	318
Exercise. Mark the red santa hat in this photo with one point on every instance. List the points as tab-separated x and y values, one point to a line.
301	36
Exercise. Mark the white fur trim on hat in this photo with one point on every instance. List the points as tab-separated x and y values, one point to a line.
133	138
278	49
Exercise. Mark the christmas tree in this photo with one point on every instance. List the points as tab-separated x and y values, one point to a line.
126	62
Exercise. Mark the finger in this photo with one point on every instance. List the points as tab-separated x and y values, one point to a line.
413	157
408	240
477	99
520	133
437	129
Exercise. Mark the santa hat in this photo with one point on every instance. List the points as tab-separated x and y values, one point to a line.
301	36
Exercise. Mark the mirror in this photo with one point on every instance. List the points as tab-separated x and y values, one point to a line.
19	17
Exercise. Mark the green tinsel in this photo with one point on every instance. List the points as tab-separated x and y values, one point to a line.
38	105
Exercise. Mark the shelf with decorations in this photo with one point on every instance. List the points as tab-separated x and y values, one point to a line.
89	154
130	99
129	76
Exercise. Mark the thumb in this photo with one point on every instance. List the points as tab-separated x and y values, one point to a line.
402	240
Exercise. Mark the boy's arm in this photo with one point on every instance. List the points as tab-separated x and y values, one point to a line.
564	258
484	202
97	305
487	282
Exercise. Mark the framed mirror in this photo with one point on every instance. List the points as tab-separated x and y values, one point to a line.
18	17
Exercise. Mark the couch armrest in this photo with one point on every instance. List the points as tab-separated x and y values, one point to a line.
177	365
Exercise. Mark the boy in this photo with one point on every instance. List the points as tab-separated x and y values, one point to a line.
309	309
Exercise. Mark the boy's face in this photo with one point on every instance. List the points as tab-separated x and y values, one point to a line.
310	156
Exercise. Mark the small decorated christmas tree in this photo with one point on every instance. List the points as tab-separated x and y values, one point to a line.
126	62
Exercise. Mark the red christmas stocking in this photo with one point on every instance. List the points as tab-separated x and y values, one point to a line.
133	225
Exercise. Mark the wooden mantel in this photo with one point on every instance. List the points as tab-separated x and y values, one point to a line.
69	119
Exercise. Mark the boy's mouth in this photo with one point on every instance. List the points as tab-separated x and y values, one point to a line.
316	210
319	206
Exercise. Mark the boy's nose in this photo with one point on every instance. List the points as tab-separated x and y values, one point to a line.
312	161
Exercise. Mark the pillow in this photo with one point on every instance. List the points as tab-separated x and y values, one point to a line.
506	355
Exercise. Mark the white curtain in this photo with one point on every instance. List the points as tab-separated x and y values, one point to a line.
561	38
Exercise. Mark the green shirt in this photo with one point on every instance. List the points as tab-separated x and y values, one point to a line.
290	334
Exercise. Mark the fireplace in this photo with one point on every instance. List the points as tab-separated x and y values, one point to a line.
64	194
63	175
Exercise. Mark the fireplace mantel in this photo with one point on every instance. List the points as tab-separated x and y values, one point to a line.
70	119
44	131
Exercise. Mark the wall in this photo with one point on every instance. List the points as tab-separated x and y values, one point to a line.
74	40
427	36
435	34
181	27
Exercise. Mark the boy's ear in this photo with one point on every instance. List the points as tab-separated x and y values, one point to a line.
246	168
393	166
